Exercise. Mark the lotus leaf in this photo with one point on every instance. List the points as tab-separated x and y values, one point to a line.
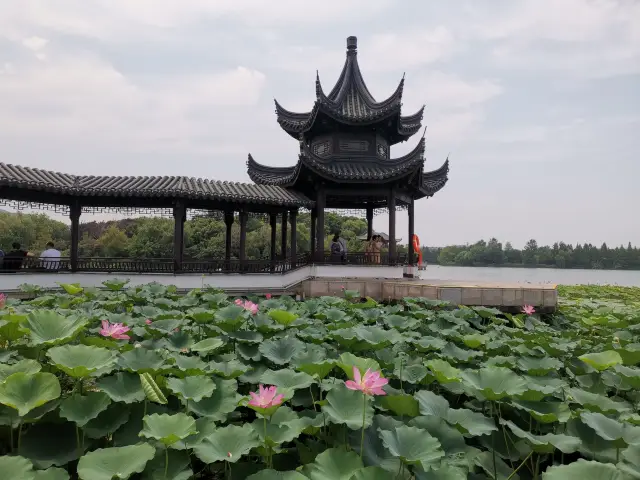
345	406
602	360
82	408
413	446
122	387
25	366
227	444
545	443
168	429
269	474
494	383
46	327
583	470
26	391
281	351
52	474
82	361
192	388
116	462
443	371
222	402
16	467
151	389
621	434
208	345
333	464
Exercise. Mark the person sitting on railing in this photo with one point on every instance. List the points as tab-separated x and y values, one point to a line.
50	258
13	260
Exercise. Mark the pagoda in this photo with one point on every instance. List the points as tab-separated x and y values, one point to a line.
344	160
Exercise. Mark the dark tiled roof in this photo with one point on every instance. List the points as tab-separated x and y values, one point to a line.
370	170
264	175
175	186
435	180
343	169
350	101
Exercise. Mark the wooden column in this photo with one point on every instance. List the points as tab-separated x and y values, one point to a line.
179	217
410	211
293	218
243	240
320	205
74	214
228	221
391	202
312	250
273	220
283	237
369	222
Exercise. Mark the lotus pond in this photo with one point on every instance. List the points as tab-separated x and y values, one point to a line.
145	383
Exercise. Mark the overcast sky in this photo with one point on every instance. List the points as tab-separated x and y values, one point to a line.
537	102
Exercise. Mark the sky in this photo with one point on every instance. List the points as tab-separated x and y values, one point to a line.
536	102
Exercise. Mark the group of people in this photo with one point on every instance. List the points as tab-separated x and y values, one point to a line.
12	261
372	249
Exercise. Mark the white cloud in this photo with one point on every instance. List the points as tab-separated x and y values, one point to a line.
121	20
82	98
441	90
35	43
592	38
408	50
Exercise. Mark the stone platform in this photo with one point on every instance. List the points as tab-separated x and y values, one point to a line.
379	283
544	296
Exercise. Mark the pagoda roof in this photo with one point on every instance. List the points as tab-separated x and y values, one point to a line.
350	102
346	170
188	188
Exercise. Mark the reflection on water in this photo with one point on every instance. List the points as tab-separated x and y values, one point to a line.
629	278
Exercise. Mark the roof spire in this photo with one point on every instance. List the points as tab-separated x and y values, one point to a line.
352	44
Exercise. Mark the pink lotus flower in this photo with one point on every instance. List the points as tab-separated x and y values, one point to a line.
3	299
268	296
528	309
370	384
266	398
148	321
114	330
247	305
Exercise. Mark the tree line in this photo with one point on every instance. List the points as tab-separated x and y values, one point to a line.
152	237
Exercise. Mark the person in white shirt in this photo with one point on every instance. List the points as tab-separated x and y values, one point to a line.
50	258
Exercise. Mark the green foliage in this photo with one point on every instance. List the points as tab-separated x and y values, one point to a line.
470	394
559	255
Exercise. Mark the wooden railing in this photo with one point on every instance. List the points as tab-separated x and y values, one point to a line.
215	266
362	258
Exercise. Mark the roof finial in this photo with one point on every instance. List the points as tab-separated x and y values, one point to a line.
352	43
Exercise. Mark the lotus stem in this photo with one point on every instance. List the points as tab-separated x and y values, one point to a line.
19	435
166	461
313	401
364	410
78	439
267	459
493	447
520	466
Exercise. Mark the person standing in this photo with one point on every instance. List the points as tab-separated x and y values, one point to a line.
50	258
343	242
337	251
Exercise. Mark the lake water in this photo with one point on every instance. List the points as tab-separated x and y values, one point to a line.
628	278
